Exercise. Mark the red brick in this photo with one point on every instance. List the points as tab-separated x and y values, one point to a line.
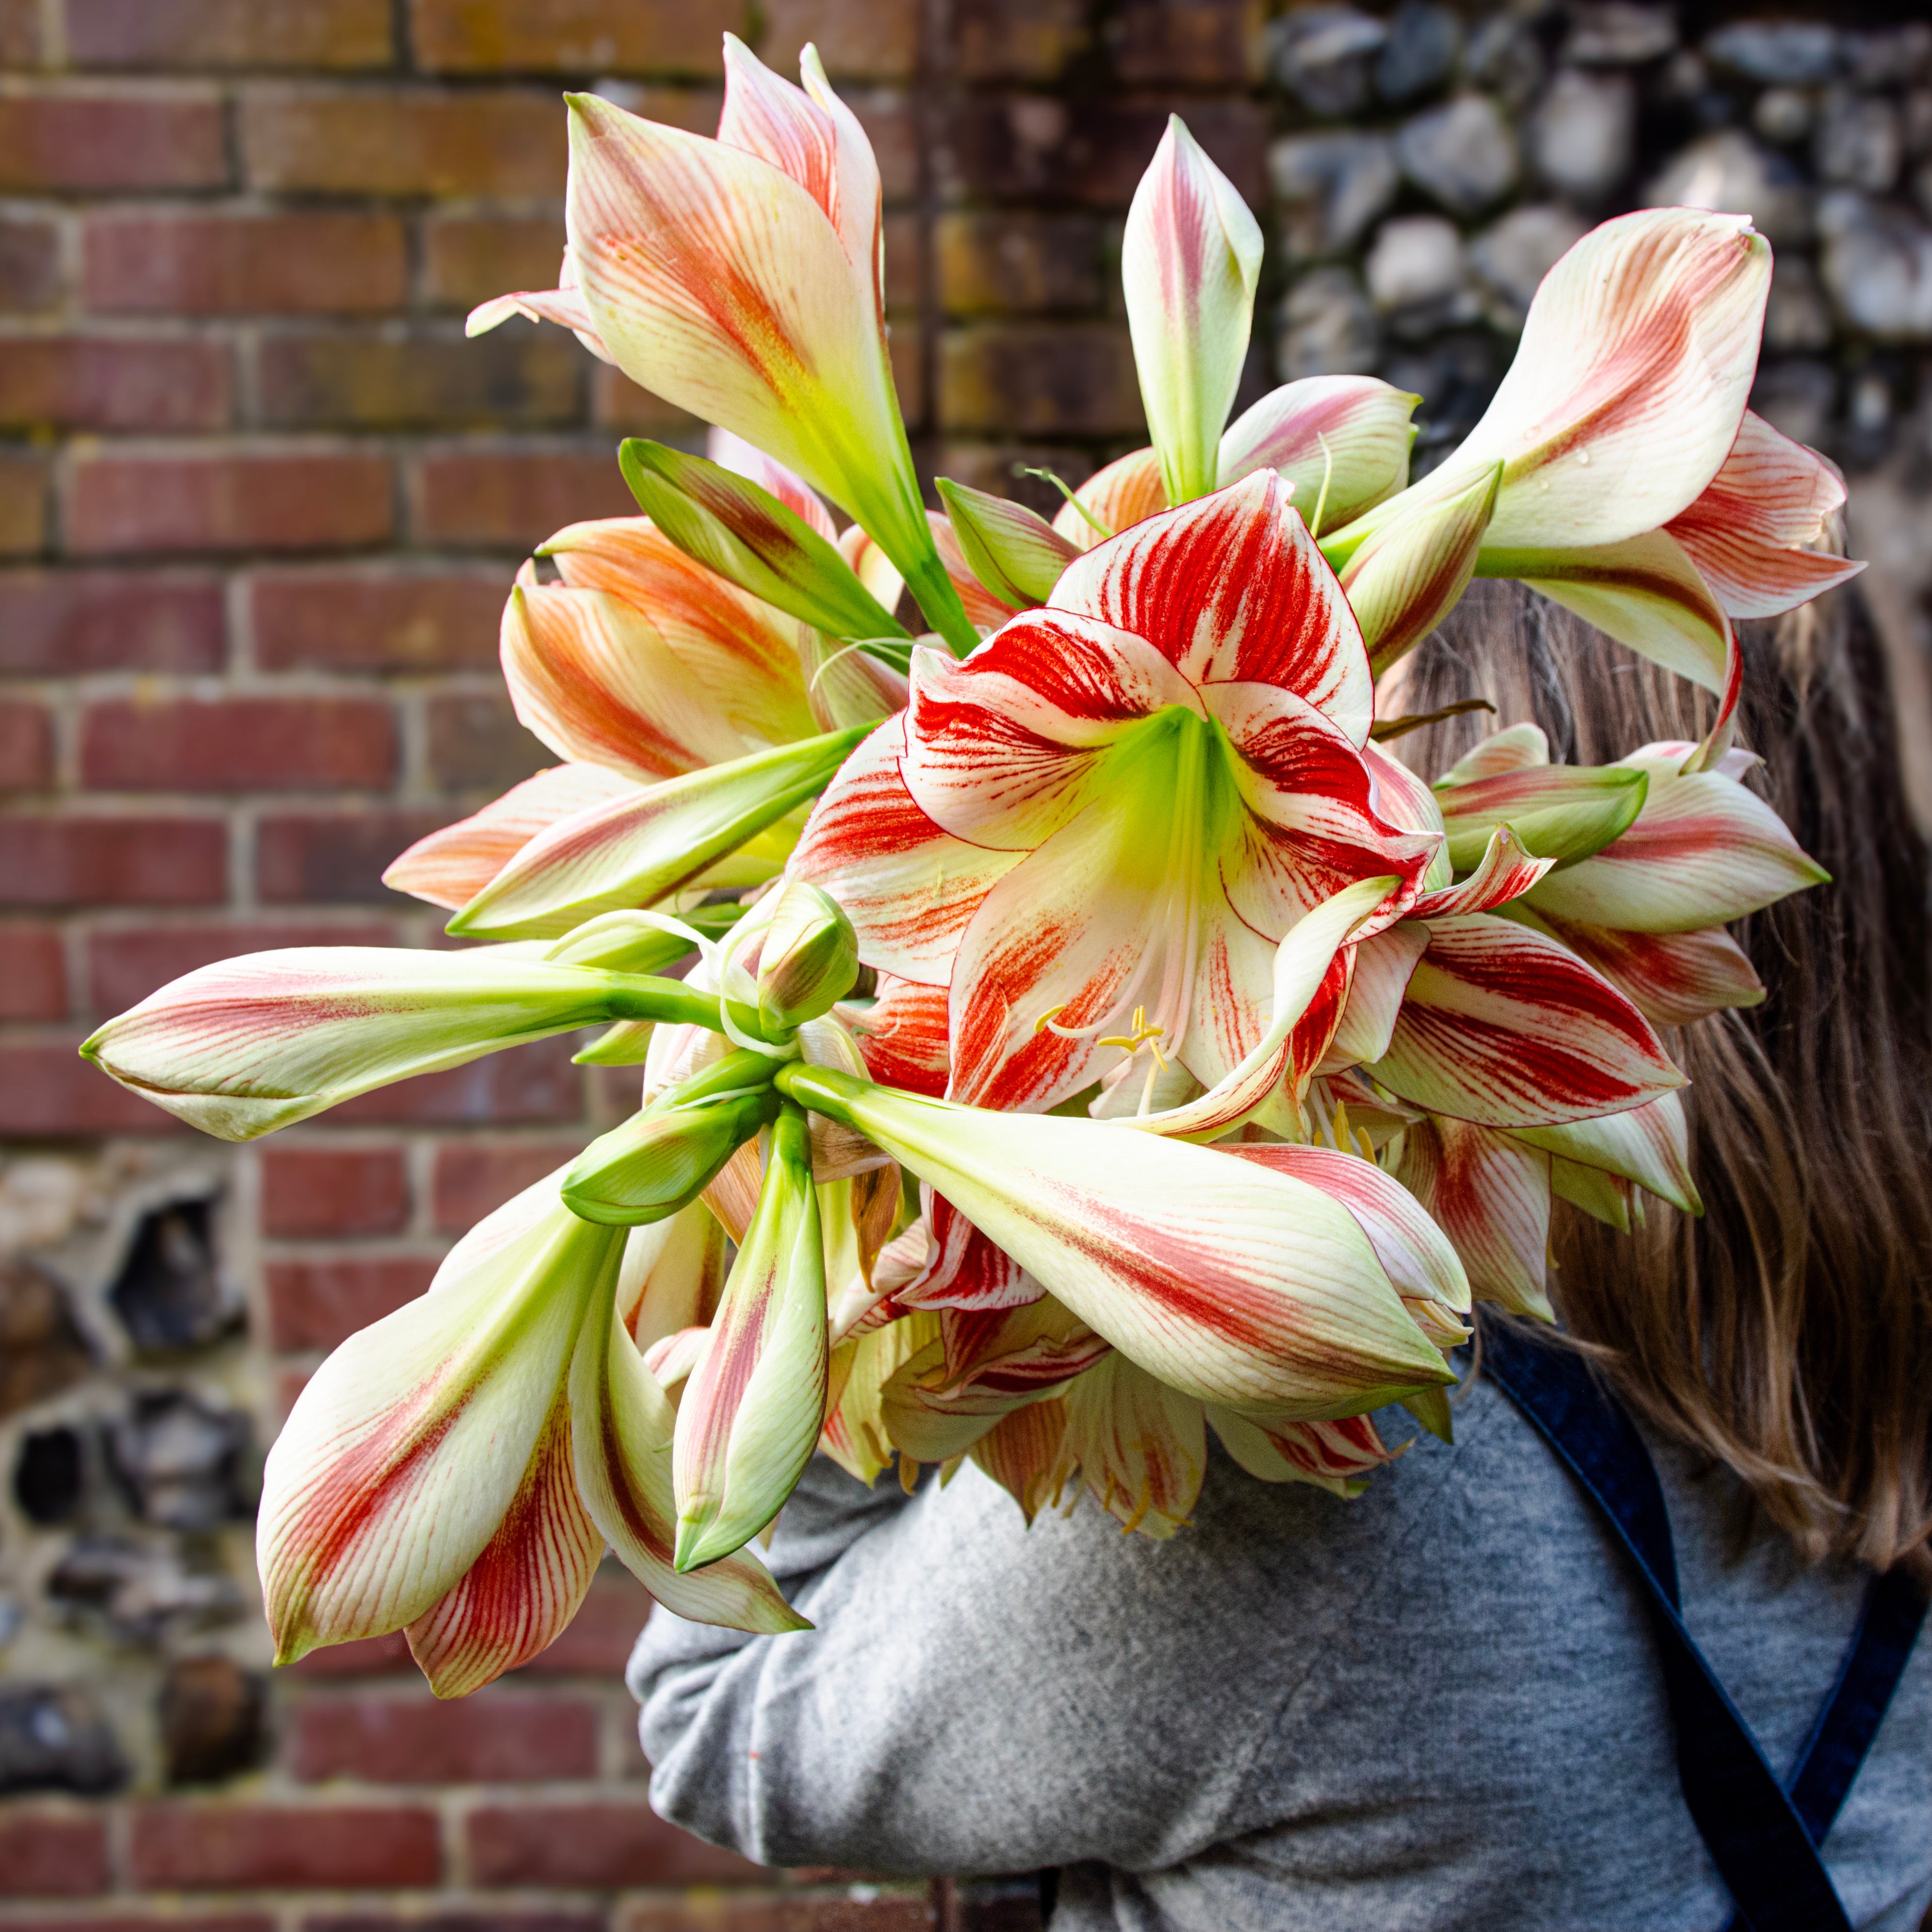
535	1085
1189	43
410	142
229	33
221	1847
52	1854
476	744
617	403
162	1919
572	36
1019	39
858	39
59	623
600	1846
26	746
469	258
111	382
228	503
597	1641
19	34
376	619
1039	378
514	499
92	141
317	263
335	858
23	505
474	1178
784	1912
238	744
1018	263
316	1304
125	964
530	1919
366	1657
46	1088
104	860
30	272
521	377
33	974
317	1191
420	1740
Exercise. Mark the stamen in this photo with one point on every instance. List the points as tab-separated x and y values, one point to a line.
1046	1018
1321	501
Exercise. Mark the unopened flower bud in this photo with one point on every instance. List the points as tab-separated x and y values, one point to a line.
662	1159
809	958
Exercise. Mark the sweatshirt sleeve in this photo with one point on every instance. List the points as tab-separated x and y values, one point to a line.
977	1697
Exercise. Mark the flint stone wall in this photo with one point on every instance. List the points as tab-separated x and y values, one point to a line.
260	503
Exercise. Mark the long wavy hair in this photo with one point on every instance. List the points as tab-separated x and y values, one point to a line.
1787	1333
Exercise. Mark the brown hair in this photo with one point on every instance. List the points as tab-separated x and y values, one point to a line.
1788	1332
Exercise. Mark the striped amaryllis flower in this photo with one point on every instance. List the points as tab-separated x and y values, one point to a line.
1096	830
456	1470
741	278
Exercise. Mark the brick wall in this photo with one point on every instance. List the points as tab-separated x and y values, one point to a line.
259	502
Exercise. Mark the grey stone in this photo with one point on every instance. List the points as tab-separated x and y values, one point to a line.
1322	55
1416	259
1799	398
1858	142
1456	374
169	1293
143	1589
1503	56
1325	327
1921	187
1331	187
1619	33
181	1461
41	1351
1782	52
1877	267
1885	56
1915	119
1796	317
1462	154
1512	256
56	1737
1783	114
211	1713
1729	171
1420	51
1581	135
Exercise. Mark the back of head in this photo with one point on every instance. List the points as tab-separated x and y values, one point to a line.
1788	1332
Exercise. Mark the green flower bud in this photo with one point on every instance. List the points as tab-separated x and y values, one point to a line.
662	1159
809	958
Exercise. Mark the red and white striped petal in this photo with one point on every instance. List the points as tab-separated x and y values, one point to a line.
634	850
1517	748
451	867
738	651
1410	572
1116	498
563	305
1397	795
409	1448
812	137
589	675
1751	533
908	888
1702	851
1490	1194
903	1034
1141	1446
1671	978
1649	1145
249	1045
1505	872
1003	749
673	1274
1506	1028
961	1268
1384	964
1225	1280
1232	586
621	1423
1339	442
1629	382
1190	260
733	453
1333	1455
519	1594
1016	1351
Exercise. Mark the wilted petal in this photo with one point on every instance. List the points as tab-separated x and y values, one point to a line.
1232	586
1333	1455
1506	1028
1751	533
1491	1196
635	849
1141	1446
1025	1454
451	867
1190	260
1339	442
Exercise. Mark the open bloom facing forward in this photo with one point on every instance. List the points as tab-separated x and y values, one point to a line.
1097	829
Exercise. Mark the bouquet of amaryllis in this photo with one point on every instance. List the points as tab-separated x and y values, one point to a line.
1085	1034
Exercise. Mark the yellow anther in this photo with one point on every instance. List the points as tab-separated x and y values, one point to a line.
1142	1035
1051	1014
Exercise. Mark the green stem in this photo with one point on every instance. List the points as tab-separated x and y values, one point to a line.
937	596
824	1090
642	996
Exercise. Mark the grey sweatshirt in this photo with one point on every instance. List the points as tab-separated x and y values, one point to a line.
1438	1705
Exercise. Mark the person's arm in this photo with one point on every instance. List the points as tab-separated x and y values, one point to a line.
979	1697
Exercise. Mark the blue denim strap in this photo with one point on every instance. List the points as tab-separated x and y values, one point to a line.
1762	1838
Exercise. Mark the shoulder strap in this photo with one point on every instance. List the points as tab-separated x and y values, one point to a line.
1764	1846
